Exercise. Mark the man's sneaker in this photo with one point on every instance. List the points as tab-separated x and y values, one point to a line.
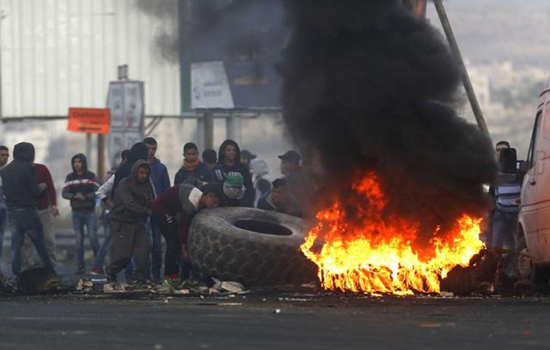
96	271
113	288
174	283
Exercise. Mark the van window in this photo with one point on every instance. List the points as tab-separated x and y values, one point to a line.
531	156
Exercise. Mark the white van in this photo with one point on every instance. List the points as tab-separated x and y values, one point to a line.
533	233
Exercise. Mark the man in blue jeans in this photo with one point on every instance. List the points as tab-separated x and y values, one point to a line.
21	191
80	187
161	183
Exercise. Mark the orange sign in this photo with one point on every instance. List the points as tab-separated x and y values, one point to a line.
90	120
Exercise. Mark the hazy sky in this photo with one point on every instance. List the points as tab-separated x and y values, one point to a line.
496	30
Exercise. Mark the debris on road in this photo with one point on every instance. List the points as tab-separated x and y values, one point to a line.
38	281
484	276
228	286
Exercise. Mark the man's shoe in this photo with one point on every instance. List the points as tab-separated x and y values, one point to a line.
96	271
113	288
111	278
172	283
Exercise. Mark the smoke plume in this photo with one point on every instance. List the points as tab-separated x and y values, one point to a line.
166	35
222	19
367	86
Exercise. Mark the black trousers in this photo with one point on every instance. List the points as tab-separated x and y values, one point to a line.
173	245
129	239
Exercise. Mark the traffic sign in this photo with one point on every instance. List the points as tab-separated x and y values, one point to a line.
90	120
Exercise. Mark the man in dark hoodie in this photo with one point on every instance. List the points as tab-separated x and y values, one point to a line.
132	205
192	166
21	191
230	161
80	187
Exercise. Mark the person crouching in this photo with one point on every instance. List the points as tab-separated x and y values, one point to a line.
132	203
185	200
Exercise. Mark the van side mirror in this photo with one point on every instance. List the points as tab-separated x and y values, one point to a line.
508	161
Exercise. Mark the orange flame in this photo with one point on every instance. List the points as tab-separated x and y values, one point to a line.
382	255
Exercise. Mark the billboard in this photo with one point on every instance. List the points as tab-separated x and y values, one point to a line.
230	49
229	54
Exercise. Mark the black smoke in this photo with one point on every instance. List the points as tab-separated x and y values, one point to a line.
166	34
367	86
223	19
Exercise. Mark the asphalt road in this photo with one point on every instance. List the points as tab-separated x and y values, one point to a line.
253	322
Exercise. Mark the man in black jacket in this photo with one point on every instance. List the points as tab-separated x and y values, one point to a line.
132	207
80	187
21	190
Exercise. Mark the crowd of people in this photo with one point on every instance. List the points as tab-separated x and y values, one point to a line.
137	205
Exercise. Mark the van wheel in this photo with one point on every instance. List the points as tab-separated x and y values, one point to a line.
527	269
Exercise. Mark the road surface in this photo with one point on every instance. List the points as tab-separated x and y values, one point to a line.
273	321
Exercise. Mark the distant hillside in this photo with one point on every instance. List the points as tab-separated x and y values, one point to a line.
498	30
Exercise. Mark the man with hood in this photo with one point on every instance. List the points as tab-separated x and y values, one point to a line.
138	152
230	161
192	166
80	187
132	205
47	210
21	191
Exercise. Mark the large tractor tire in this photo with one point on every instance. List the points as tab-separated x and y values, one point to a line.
251	246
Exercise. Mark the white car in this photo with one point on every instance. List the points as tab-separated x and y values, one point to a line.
533	233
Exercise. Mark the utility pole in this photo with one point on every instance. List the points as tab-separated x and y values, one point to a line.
208	122
464	72
89	147
101	157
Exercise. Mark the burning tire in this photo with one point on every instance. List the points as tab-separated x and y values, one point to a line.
250	246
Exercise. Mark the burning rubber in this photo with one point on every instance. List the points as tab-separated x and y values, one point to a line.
366	250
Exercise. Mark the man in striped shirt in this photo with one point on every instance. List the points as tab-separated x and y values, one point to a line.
507	200
80	187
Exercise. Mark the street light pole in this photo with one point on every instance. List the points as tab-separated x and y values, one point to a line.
465	77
